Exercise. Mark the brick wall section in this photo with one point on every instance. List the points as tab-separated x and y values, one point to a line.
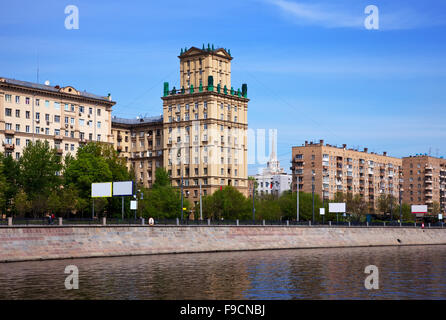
36	243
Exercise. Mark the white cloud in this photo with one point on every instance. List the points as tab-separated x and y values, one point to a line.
350	14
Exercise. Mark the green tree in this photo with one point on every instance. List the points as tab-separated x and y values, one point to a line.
163	200
9	174
22	203
386	204
40	168
94	162
228	203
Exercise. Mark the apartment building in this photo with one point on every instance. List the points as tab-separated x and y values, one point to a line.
64	116
425	181
205	125
338	169
140	142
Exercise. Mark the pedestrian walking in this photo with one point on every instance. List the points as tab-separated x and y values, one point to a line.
422	225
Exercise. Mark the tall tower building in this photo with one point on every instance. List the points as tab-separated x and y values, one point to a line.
205	125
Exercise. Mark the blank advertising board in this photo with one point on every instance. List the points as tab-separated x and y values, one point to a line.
336	207
419	209
103	189
122	188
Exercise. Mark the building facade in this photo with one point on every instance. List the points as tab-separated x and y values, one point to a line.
140	142
273	179
335	169
205	124
425	182
64	116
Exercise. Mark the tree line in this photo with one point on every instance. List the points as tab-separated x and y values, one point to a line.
42	181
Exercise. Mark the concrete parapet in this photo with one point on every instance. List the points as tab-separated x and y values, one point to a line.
57	242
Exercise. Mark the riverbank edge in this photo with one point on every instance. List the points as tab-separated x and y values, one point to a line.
201	239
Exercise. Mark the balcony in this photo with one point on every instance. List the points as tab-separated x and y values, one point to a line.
59	150
82	141
9	146
57	137
119	148
9	132
428	188
119	137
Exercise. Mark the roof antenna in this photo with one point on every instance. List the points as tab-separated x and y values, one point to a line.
37	68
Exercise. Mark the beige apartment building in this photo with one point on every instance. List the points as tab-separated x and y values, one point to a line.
205	125
201	137
64	116
140	142
338	169
425	181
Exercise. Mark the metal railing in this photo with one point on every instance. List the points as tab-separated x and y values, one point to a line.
209	222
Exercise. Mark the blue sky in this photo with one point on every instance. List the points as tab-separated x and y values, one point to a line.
313	70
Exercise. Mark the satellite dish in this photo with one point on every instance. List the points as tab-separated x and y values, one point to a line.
47	82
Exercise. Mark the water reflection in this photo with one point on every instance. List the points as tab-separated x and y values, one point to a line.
405	273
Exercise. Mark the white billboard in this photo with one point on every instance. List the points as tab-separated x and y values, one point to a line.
102	189
123	188
321	211
419	209
336	207
133	205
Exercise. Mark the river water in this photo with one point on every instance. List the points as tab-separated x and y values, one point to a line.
417	272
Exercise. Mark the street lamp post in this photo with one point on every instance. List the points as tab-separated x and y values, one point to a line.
181	170
297	199
253	203
401	207
312	192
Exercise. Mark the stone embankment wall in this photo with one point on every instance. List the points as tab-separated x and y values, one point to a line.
53	242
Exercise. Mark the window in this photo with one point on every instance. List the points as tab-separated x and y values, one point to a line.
47	103
37	115
99	112
72	147
8	98
27	114
81	122
90	110
81	109
72	107
26	100
37	130
17	113
37	102
57	105
57	132
17	141
99	137
17	127
72	121
57	119
47	117
67	107
27	129
17	99
47	131
8	112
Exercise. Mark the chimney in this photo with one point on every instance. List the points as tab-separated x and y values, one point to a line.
385	153
306	142
366	149
344	145
321	142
